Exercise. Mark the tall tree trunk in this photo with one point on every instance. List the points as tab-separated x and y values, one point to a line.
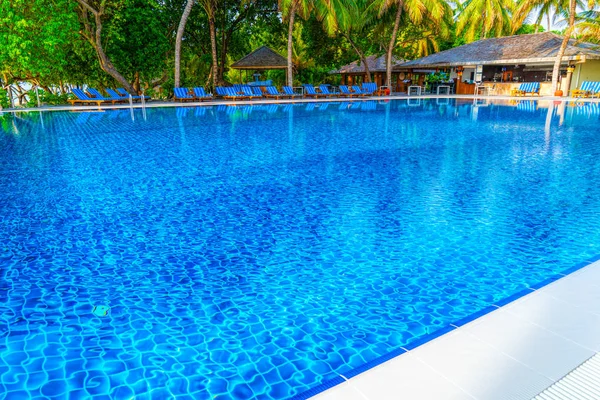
362	57
290	65
184	17
213	45
563	47
95	38
225	37
549	21
390	50
136	82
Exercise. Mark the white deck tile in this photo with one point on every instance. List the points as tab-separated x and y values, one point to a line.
481	370
560	317
529	343
406	377
579	290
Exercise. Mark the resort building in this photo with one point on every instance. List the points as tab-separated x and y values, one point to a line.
501	64
355	72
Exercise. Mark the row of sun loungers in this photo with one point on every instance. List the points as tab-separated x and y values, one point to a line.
587	89
246	92
93	96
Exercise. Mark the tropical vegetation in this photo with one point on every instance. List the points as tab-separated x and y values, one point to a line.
155	45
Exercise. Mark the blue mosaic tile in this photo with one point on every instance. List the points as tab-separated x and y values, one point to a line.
263	251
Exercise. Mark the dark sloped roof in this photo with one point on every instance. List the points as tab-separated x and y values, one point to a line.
261	58
519	49
376	64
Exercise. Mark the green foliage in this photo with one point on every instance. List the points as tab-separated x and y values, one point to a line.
42	41
436	77
4	101
46	98
529	28
37	37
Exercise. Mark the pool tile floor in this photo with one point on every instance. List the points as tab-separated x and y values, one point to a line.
515	352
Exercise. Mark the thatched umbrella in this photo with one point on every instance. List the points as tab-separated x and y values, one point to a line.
261	59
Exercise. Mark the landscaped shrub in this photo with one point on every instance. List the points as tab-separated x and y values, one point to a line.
46	98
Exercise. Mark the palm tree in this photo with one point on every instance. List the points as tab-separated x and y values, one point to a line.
563	45
417	11
184	17
589	26
488	18
210	7
525	8
289	9
347	18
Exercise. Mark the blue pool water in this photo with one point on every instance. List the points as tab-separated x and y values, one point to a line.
259	252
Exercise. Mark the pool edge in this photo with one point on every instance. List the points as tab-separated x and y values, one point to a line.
440	332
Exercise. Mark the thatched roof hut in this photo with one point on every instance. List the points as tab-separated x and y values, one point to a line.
519	49
261	58
376	64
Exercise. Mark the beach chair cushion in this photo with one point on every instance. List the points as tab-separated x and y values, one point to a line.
289	91
115	94
344	90
369	87
310	90
182	93
325	90
247	91
200	93
81	95
357	89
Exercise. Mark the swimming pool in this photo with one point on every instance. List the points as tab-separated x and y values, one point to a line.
263	251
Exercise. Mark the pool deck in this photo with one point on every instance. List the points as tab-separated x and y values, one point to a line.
514	352
216	102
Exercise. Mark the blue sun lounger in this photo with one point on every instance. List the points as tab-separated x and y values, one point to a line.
587	89
83	98
97	95
356	89
310	91
288	90
595	90
247	91
182	94
526	88
347	93
125	97
124	93
325	90
257	91
220	91
113	93
369	88
232	94
200	94
272	92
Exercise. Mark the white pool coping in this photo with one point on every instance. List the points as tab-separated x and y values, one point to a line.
512	353
216	102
